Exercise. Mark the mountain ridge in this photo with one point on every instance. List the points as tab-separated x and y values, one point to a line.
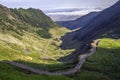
80	39
26	39
32	20
79	22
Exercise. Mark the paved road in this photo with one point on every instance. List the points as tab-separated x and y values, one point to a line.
82	59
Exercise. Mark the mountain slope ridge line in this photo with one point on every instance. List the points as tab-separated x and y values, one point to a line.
82	59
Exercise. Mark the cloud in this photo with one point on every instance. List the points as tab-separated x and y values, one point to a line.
79	12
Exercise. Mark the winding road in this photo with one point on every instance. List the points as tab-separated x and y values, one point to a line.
82	59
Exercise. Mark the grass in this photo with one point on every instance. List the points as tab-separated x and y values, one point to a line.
104	64
31	37
8	72
31	46
35	40
90	75
34	51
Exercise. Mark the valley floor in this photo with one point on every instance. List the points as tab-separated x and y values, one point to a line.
82	59
103	65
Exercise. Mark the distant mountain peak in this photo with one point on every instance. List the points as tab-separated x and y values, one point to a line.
79	22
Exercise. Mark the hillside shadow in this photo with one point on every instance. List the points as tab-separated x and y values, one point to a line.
73	57
81	46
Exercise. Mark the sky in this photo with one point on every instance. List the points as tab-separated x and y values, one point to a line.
54	4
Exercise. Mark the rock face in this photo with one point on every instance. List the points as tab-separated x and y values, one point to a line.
105	21
78	23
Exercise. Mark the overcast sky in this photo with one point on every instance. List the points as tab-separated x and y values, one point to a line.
52	4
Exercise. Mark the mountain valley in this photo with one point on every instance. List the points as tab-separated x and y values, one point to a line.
29	37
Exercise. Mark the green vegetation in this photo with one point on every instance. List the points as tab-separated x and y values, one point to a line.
104	64
30	37
36	18
90	75
8	72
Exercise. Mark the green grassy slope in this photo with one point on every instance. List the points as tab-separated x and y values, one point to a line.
29	36
37	19
104	64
